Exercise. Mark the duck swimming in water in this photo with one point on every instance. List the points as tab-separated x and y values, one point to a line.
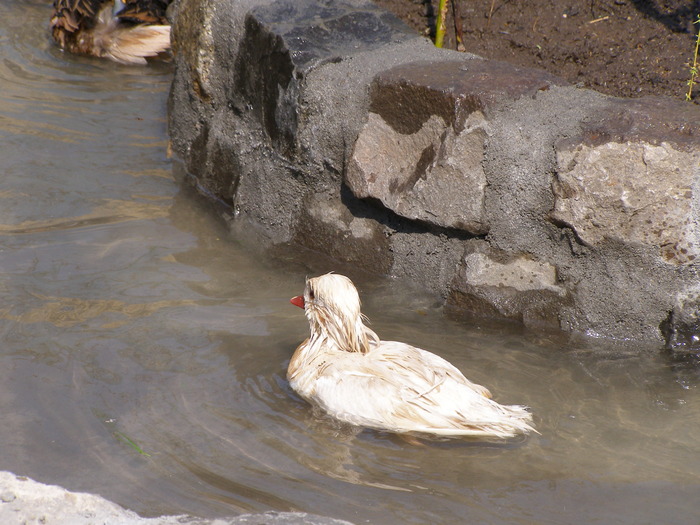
127	32
345	369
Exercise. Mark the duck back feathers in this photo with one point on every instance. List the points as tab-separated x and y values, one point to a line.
138	30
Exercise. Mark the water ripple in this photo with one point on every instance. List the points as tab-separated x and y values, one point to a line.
144	352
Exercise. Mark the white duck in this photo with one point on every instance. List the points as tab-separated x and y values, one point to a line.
354	376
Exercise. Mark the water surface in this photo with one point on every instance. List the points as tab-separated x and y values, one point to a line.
144	349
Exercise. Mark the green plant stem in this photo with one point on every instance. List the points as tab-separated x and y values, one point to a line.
125	439
694	67
440	24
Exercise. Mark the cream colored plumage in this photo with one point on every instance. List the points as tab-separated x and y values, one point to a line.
345	368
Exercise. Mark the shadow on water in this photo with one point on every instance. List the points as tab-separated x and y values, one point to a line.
144	350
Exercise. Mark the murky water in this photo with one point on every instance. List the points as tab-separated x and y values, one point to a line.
143	350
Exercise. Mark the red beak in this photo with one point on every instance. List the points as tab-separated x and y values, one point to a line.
297	301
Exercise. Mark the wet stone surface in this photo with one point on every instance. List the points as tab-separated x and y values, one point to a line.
405	96
284	40
633	174
335	127
422	148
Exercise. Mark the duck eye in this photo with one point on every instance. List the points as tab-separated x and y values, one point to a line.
311	294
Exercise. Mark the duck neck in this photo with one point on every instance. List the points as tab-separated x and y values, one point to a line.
342	336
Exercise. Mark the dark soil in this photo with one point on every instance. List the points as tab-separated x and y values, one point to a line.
626	48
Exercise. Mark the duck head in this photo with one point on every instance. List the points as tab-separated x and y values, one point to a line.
332	306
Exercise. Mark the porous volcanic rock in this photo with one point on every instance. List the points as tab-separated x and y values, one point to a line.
502	189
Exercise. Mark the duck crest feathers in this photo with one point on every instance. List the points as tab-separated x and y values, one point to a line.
333	310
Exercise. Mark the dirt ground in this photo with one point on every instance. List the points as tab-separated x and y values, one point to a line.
627	48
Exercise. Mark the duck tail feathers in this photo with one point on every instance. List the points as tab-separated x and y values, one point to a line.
77	27
133	45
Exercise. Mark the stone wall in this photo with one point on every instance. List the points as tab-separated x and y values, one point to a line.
509	193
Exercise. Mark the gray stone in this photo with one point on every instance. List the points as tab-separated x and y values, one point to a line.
491	283
332	126
426	259
282	518
622	179
326	225
682	327
421	150
247	127
284	41
34	502
432	175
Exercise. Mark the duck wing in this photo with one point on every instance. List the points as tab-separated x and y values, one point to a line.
71	15
87	27
144	11
401	388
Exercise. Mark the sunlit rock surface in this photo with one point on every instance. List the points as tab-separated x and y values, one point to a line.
422	148
25	501
493	283
333	126
628	179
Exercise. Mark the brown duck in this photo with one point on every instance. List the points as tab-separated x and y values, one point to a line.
127	32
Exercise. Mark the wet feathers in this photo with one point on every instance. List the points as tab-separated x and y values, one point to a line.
137	30
345	368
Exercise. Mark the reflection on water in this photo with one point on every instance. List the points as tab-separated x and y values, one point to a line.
144	351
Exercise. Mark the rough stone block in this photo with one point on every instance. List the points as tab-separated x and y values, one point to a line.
588	206
633	176
327	225
682	327
283	41
432	175
421	150
490	283
192	40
